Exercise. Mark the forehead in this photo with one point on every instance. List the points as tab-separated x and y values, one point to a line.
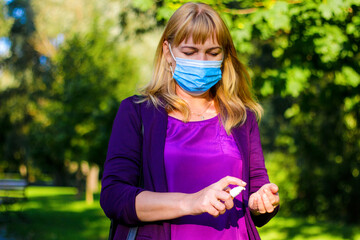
209	42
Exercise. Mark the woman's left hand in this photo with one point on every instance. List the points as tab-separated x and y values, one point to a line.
265	200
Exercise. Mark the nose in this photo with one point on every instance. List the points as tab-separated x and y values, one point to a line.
203	57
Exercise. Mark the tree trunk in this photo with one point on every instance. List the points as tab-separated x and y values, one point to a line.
92	181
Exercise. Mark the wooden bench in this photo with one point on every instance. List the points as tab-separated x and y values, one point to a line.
12	191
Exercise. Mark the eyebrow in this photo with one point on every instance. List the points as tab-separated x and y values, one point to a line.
194	48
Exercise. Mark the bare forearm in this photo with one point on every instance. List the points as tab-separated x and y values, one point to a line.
214	199
154	206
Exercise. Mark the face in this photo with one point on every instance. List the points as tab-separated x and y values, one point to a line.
209	51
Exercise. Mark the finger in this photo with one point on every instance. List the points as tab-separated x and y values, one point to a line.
219	206
212	211
267	204
277	200
222	195
274	199
251	202
270	196
254	202
226	181
229	204
260	204
225	198
274	188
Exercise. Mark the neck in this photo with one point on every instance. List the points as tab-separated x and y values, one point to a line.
195	102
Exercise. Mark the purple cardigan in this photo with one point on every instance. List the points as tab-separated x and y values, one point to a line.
139	131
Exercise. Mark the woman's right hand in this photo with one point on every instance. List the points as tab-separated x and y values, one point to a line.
214	199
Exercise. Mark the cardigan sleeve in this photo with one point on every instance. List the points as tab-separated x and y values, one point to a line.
122	165
258	172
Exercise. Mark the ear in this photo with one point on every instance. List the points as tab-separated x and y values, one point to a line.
166	52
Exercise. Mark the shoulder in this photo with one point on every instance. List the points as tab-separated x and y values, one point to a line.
250	115
142	100
251	118
141	105
246	126
132	100
132	103
250	122
129	108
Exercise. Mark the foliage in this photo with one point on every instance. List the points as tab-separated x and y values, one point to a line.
20	91
92	74
288	189
307	61
5	22
60	105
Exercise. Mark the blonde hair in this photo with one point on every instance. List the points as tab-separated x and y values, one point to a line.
232	94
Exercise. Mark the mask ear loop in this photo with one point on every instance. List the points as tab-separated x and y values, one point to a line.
172	55
171	52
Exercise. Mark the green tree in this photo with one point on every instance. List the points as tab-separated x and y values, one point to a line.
23	80
308	69
63	87
92	75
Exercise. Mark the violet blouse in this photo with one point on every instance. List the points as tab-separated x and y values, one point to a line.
196	155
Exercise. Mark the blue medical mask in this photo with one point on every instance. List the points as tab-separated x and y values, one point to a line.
196	76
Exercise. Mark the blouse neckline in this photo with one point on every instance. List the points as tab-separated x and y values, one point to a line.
195	122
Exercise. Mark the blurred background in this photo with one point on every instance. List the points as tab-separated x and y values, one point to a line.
66	65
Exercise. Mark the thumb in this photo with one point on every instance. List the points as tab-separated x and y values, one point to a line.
251	201
226	181
274	188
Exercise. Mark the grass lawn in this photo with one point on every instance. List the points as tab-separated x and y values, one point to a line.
56	213
309	229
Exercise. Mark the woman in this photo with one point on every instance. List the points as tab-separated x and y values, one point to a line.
191	137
